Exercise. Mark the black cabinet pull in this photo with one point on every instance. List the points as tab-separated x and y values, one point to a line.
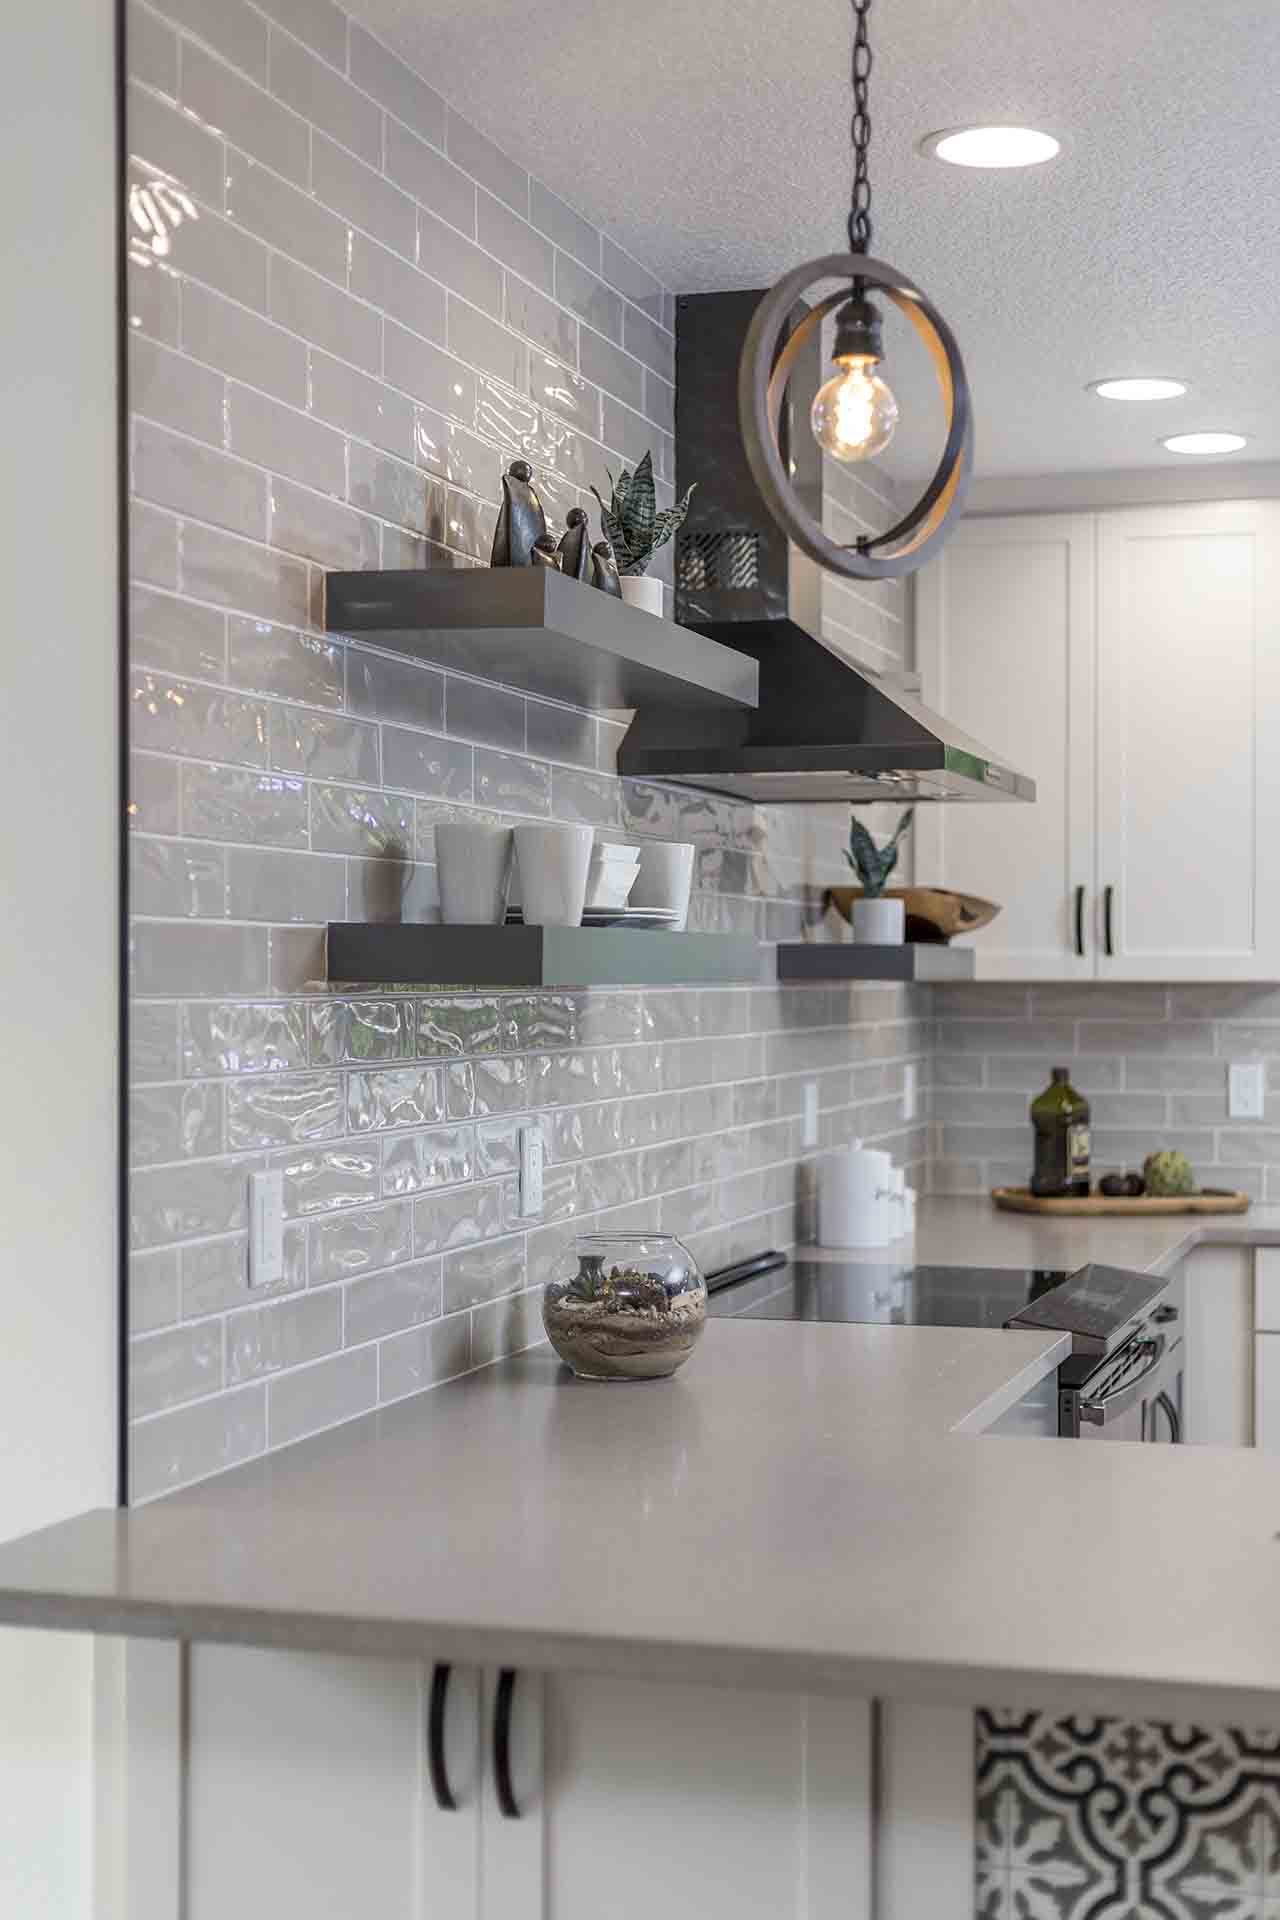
1171	1415
502	1744
436	1765
1108	900
1080	922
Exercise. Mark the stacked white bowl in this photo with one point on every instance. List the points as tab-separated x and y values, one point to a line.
611	875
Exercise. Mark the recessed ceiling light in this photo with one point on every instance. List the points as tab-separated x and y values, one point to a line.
1138	387
1204	442
990	146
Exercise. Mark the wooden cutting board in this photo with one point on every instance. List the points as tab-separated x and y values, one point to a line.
1209	1200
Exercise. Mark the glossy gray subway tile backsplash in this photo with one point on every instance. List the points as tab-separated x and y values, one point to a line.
371	313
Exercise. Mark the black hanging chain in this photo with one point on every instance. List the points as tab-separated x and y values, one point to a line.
860	133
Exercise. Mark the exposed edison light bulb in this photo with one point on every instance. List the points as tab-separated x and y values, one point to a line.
854	414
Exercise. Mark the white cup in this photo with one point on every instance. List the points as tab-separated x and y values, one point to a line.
474	865
553	873
665	878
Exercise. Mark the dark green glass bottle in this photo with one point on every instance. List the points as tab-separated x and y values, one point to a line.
1060	1117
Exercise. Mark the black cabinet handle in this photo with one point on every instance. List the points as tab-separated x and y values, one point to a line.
1080	922
436	1765
1171	1415
502	1744
1108	900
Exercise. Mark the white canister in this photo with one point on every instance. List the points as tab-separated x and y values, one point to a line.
853	1198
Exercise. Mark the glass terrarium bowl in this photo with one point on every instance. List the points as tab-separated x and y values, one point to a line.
625	1306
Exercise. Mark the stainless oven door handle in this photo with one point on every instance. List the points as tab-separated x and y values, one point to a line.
1098	1412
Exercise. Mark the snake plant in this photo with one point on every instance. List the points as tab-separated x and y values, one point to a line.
632	522
874	864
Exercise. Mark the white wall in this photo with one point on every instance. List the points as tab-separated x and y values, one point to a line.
58	959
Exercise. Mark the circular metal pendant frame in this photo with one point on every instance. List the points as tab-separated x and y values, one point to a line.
762	385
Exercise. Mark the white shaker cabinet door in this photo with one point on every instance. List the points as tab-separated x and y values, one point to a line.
704	1803
308	1790
1188	737
1266	1392
1005	645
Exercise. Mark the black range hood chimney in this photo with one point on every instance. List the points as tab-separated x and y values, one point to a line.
824	729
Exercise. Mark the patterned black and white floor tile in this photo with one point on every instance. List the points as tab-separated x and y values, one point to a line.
1082	1819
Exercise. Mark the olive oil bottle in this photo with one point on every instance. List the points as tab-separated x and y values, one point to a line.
1060	1117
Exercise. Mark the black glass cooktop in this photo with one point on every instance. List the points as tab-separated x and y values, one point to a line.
1097	1304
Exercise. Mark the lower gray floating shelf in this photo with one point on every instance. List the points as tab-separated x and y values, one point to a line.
812	960
411	955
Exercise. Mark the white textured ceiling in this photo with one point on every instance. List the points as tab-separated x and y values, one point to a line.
710	139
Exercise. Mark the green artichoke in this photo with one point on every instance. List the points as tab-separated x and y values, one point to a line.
1168	1175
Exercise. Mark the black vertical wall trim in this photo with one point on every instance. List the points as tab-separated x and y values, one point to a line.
122	792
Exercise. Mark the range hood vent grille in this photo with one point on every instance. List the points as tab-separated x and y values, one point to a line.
718	562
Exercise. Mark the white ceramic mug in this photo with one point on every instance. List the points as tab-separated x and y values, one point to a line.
474	866
665	878
553	873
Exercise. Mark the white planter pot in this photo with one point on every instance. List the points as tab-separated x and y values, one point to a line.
879	923
638	590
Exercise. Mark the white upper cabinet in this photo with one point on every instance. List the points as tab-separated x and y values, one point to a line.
1130	662
1005	642
1188	740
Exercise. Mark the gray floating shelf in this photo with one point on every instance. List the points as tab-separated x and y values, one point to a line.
536	956
536	630
813	960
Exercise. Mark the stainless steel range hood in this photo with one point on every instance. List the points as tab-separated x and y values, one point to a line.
824	729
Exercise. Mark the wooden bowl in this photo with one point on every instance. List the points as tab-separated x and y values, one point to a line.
933	914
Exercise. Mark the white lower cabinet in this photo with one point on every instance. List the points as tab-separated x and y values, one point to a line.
257	1783
1217	1285
701	1802
1266	1349
1266	1392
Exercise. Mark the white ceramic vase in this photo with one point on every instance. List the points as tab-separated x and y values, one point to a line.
473	861
879	923
553	863
638	590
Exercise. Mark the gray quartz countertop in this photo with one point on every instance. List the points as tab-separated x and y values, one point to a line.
809	1507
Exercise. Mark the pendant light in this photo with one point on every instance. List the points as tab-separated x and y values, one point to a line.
854	414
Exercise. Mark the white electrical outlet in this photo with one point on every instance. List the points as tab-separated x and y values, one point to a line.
809	1114
266	1228
1246	1090
909	1091
530	1171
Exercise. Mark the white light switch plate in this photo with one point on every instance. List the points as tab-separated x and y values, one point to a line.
1246	1090
809	1114
909	1091
530	1171
266	1229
